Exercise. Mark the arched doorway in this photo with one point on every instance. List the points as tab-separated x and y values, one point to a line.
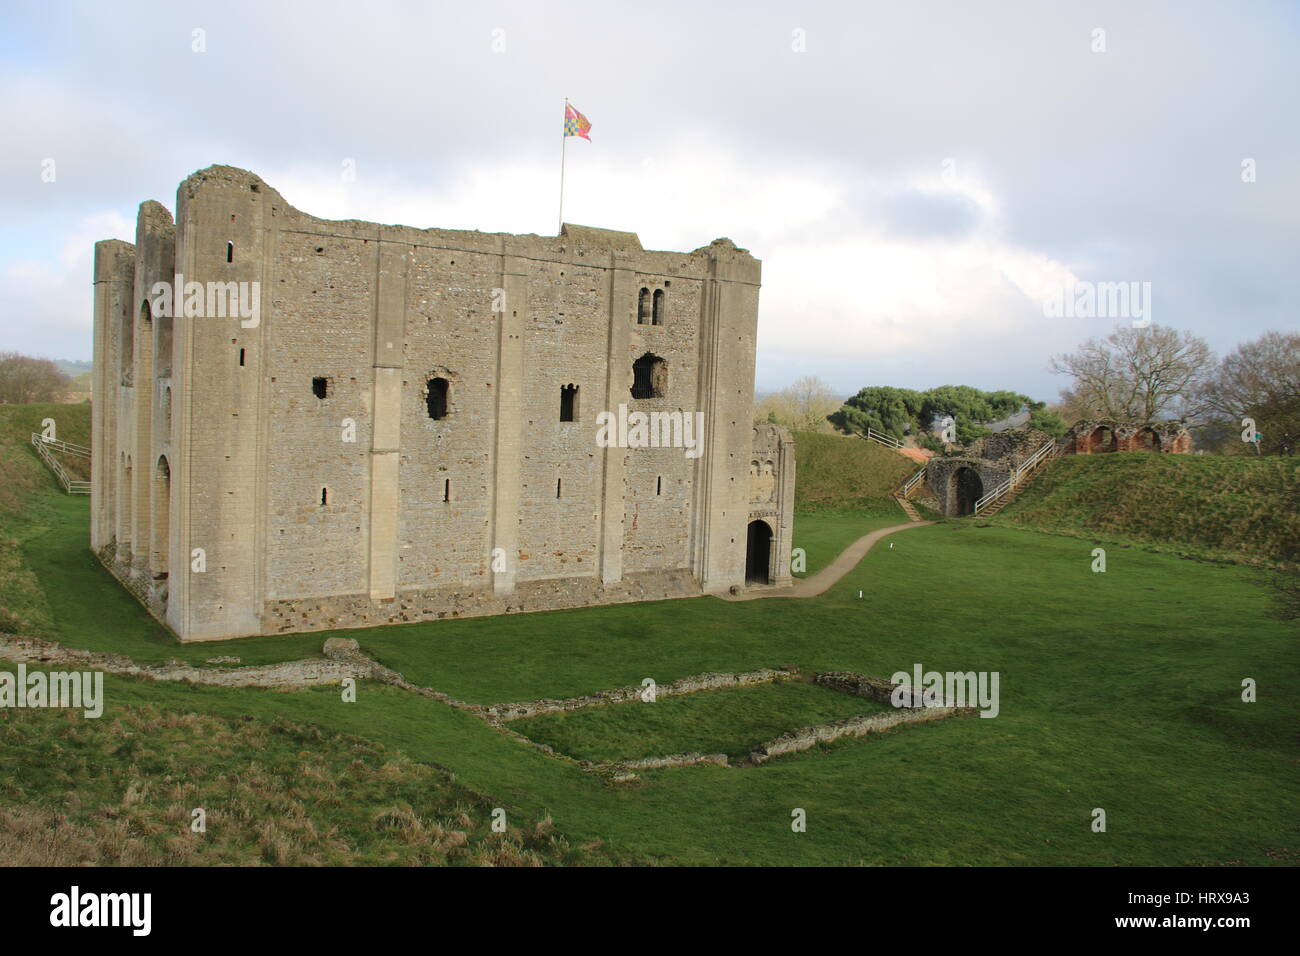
966	489
758	553
1102	439
1146	440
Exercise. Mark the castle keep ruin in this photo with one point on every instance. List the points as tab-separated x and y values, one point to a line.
341	424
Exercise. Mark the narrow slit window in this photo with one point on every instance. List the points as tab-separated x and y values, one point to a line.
230	252
446	489
569	403
241	357
436	398
659	485
558	484
324	496
658	316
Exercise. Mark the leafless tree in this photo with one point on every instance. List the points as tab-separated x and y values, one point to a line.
1260	380
1136	374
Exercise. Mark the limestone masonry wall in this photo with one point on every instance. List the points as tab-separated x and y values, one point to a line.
340	424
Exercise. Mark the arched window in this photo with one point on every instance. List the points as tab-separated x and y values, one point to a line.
162	353
437	398
569	403
161	507
649	377
643	307
659	305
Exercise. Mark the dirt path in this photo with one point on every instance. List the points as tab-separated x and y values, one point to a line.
820	582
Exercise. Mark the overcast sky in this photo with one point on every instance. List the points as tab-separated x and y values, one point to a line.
916	177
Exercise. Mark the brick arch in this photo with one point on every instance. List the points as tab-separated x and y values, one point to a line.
1101	439
1146	439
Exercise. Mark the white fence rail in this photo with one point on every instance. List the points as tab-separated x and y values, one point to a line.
911	483
1019	474
882	438
73	486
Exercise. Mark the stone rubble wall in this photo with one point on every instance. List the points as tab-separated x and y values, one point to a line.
809	737
686	685
290	674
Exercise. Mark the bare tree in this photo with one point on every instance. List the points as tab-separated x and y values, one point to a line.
1136	374
24	380
1260	380
802	406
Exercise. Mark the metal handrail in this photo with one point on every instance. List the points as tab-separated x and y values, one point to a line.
1048	448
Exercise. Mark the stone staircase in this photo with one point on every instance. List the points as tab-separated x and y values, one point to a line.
908	508
1006	499
1021	479
904	490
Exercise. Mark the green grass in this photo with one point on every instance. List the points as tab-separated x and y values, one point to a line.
825	534
1118	690
729	721
836	472
1236	508
24	512
122	791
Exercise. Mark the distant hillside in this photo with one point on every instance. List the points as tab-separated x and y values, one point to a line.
834	471
71	368
1237	508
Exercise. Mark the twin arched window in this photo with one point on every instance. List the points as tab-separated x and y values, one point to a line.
651	309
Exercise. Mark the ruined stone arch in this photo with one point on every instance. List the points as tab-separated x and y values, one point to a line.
1102	439
1146	439
658	312
965	488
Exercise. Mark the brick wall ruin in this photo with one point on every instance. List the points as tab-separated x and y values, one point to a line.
1099	435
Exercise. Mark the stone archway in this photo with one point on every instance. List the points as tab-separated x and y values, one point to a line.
758	553
1146	440
1102	439
965	489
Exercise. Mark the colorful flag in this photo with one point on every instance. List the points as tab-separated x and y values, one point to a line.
575	124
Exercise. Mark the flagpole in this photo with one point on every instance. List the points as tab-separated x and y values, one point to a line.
564	142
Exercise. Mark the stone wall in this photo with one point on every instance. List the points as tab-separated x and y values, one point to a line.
305	458
1098	435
